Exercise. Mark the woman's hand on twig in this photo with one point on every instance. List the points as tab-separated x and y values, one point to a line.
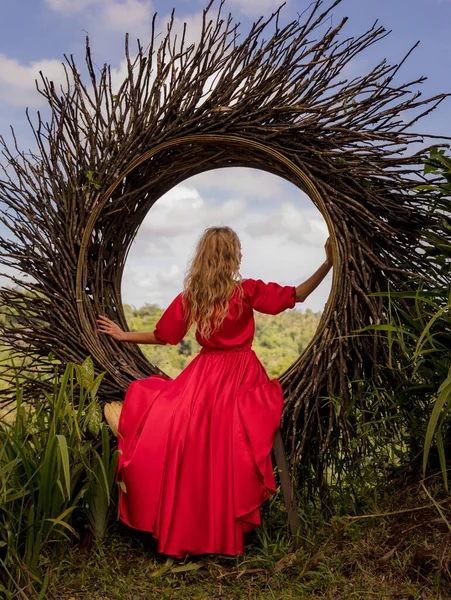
328	249
109	327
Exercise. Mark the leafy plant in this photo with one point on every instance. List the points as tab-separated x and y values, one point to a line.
419	339
56	476
439	163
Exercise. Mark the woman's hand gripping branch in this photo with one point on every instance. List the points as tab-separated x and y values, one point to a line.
139	337
110	328
306	288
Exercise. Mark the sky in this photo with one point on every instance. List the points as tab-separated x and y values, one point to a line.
282	232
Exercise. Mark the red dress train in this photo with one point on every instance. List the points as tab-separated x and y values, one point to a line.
195	450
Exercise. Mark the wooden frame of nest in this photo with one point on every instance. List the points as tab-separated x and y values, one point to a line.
276	101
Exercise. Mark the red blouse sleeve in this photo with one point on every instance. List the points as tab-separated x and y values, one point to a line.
270	298
172	326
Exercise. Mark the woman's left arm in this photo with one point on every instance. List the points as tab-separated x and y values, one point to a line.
306	288
135	337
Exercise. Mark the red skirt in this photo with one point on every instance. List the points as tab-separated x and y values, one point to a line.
195	452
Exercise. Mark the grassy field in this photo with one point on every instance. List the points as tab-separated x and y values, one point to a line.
403	556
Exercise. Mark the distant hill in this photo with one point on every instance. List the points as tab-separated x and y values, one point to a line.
278	341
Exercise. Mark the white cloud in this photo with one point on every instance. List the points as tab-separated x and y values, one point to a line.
183	210
129	16
124	16
71	6
119	74
256	8
17	81
171	277
193	27
249	182
290	223
156	246
278	258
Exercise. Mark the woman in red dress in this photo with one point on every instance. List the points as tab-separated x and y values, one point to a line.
195	461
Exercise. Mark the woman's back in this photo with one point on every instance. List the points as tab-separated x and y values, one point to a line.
237	329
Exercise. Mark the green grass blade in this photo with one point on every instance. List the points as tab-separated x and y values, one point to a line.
60	520
64	453
437	506
10	466
442	457
443	398
426	330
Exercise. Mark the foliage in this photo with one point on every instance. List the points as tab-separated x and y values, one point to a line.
56	477
439	163
419	338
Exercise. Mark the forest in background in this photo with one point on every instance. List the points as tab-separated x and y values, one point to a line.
278	341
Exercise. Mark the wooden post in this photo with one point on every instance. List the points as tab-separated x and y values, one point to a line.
286	483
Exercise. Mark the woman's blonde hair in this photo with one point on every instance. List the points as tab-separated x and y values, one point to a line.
212	278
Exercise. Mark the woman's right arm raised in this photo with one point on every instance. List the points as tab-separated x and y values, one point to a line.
306	288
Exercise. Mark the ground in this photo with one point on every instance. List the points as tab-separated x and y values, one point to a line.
400	556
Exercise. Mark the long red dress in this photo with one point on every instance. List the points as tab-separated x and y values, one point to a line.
195	450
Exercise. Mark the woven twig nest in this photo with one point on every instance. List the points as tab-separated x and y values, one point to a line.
277	101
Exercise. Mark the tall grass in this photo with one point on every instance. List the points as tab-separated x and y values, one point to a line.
56	478
419	339
424	344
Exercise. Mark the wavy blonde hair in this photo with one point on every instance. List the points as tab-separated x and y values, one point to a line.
212	278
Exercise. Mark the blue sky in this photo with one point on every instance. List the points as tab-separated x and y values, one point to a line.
283	234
